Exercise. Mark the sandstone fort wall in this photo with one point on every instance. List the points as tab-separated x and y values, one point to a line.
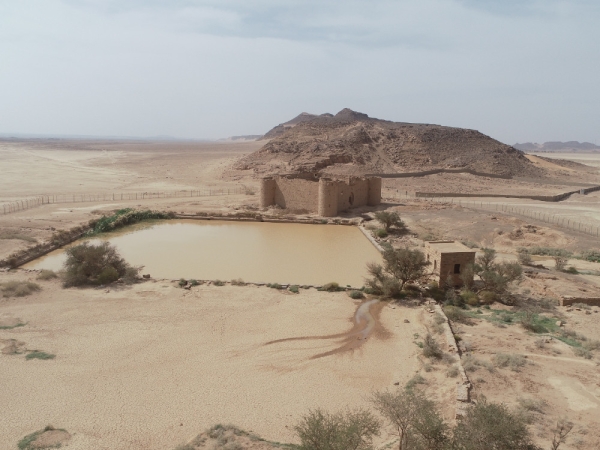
324	196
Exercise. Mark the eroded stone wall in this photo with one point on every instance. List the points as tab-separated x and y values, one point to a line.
324	196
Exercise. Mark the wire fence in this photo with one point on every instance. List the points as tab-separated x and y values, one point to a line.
552	219
32	202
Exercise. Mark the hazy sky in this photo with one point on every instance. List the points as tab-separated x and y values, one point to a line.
517	70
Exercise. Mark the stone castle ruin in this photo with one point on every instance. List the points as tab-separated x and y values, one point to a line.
448	259
323	196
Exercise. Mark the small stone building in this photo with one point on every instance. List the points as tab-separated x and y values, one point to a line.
448	258
323	196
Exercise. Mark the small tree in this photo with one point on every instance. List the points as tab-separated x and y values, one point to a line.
350	430
467	275
416	420
560	261
400	266
487	260
389	220
524	257
562	429
89	264
492	426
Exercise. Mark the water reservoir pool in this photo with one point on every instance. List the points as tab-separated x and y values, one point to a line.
253	251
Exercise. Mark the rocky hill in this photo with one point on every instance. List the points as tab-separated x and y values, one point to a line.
570	146
353	143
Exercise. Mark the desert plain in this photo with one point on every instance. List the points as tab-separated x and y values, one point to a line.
151	365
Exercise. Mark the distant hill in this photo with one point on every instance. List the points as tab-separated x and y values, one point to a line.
569	146
353	143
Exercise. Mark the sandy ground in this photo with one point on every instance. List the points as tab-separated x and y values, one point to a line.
567	386
152	365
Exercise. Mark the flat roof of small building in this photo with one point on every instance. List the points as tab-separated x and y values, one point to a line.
449	247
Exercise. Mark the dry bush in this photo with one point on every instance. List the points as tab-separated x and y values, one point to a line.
511	360
431	348
89	264
19	288
352	429
45	275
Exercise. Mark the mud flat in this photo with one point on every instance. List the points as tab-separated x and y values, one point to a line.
150	366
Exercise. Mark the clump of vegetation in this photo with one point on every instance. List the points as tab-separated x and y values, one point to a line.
352	429
193	282
331	287
534	322
19	288
456	314
182	282
560	260
414	381
470	298
274	286
495	426
238	282
591	255
36	354
46	275
435	292
389	220
511	360
219	283
496	277
572	269
89	264
549	251
452	371
380	233
472	364
294	289
400	266
124	217
356	295
524	256
416	420
431	348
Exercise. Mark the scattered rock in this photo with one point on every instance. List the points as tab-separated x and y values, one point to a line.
147	275
559	323
397	383
406	321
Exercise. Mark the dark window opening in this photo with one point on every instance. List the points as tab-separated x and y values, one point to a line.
456	268
435	264
351	198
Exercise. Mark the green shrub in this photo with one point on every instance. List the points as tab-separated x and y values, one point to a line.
531	322
125	217
389	220
488	297
294	289
452	371
380	233
36	354
549	251
182	282
470	298
18	288
356	295
572	270
456	314
583	352
108	275
320	430
435	292
274	286
591	255
45	275
331	287
219	283
27	442
238	282
89	264
194	282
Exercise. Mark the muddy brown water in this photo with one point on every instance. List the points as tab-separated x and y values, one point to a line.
253	251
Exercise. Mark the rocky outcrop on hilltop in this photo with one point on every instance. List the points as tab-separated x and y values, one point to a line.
283	127
353	143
